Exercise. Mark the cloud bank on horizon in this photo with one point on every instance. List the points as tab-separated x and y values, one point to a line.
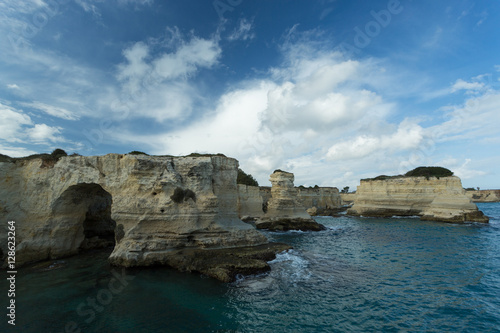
329	90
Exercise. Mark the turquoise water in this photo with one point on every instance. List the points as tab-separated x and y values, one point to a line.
361	275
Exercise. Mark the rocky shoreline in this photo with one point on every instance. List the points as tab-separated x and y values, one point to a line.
186	212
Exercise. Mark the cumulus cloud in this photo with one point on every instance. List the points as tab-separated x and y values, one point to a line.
304	116
17	127
408	136
12	123
42	133
159	85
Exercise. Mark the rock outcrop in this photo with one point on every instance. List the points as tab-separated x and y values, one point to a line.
250	202
433	199
149	207
348	198
484	195
284	210
320	200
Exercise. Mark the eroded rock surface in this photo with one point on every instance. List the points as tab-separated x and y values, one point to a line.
150	206
284	211
433	199
484	195
320	200
250	202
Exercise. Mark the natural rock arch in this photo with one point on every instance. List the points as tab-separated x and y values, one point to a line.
82	220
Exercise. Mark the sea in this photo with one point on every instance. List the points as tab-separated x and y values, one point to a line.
360	275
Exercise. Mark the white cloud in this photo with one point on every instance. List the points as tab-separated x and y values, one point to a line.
464	85
408	136
42	133
52	110
15	151
17	127
477	118
243	32
290	119
161	86
462	170
13	86
12	123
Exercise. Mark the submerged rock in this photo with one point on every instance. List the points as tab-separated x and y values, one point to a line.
221	264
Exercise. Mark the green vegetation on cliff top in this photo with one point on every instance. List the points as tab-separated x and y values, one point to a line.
426	172
246	179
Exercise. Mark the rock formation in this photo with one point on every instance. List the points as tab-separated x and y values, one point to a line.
436	199
250	202
484	195
348	198
284	210
159	209
320	200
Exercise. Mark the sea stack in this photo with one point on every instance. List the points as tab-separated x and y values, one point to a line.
284	211
433	198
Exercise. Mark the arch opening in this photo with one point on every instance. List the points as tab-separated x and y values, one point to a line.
82	220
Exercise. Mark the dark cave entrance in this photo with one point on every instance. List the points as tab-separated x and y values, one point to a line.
88	205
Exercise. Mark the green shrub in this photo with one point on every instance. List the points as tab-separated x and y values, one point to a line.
204	155
135	152
58	153
246	179
428	172
5	158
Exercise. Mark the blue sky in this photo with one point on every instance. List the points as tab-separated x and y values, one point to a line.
330	90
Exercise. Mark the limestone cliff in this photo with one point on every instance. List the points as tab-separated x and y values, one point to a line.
434	199
284	211
348	198
250	202
151	205
484	195
319	200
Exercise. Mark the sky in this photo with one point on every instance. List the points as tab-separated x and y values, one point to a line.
331	90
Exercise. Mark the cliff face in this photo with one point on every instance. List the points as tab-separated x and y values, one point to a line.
319	201
284	209
348	198
435	199
250	202
484	195
151	205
